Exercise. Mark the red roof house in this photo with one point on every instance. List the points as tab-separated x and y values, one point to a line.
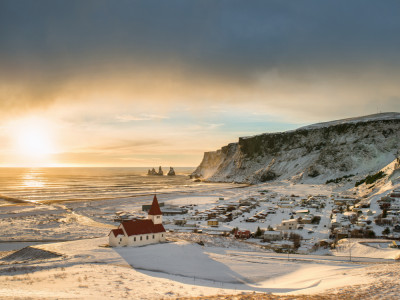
242	234
135	227
116	232
140	232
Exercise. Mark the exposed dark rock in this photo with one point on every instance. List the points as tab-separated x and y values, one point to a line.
317	153
154	172
30	254
171	171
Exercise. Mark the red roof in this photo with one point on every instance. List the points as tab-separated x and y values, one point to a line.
242	233
117	232
155	208
135	227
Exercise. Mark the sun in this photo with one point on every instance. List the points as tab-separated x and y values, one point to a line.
33	141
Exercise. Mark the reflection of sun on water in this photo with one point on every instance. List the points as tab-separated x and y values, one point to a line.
33	183
31	180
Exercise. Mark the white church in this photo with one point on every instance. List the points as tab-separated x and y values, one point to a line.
140	232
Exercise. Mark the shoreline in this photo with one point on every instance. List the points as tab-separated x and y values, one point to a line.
20	202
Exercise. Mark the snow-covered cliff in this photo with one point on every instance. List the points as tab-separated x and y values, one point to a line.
313	153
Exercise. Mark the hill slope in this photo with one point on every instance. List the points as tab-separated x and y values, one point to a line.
314	153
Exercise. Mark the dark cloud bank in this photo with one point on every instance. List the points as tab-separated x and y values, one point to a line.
44	44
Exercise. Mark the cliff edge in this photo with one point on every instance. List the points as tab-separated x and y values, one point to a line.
315	153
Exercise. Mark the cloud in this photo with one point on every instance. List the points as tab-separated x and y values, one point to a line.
143	117
130	146
205	127
282	57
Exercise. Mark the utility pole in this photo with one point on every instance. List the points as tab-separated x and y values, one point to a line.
350	249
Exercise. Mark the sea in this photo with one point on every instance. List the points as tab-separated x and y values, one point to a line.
60	184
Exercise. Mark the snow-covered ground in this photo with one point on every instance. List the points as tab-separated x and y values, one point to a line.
374	117
89	270
366	248
182	267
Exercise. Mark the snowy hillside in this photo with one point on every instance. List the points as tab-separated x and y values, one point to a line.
351	147
374	117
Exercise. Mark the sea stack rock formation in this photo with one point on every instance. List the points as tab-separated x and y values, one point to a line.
171	171
154	172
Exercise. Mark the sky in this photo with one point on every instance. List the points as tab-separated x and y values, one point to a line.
154	82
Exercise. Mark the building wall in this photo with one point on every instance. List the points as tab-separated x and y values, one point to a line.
113	241
212	223
272	237
157	219
146	239
135	240
291	225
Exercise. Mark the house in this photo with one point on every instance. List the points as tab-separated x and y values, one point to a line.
395	206
370	212
222	219
345	201
341	233
213	223
362	223
302	212
146	207
272	235
307	219
286	204
288	225
395	195
242	234
179	222
140	232
172	210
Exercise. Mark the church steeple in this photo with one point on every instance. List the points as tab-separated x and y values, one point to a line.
155	213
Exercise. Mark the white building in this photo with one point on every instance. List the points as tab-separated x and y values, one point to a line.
302	212
288	225
272	235
140	232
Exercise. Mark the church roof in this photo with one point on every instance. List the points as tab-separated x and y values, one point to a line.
155	208
117	232
145	226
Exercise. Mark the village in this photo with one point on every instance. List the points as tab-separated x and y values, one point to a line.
280	222
269	238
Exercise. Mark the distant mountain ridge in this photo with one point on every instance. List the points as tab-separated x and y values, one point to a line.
314	153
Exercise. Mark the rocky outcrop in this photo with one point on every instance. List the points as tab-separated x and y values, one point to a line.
171	171
154	172
30	254
314	153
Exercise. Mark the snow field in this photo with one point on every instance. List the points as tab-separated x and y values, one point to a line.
170	269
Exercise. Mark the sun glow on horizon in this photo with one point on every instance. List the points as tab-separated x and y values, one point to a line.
33	142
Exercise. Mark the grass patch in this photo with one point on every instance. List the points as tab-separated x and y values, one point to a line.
371	178
339	179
